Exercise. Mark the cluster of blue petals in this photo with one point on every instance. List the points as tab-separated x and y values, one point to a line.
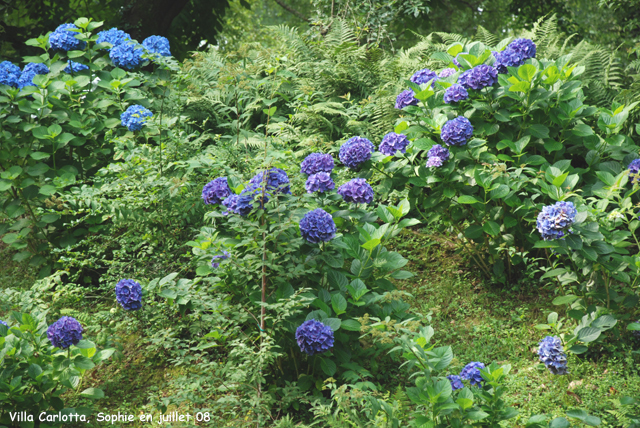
456	382
437	156
455	93
157	45
406	98
277	181
552	355
423	76
215	260
114	36
231	204
634	171
129	294
9	74
29	72
356	151
392	143
319	182
64	38
4	323
135	117
514	55
74	67
356	191
554	221
127	55
65	332
317	162
457	132
244	202
318	226
216	191
447	72
480	76
314	337
471	372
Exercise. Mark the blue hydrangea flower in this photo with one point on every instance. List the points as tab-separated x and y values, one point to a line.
479	77
317	162
277	181
392	143
318	226
455	93
552	355
507	58
457	132
129	294
127	55
406	98
423	76
36	67
447	72
216	264
9	74
471	372
356	151
216	191
157	45
74	67
634	171
319	182
244	202
114	36
524	47
4	323
554	221
314	337
65	332
437	155
135	117
231	203
456	382
29	72
357	191
64	39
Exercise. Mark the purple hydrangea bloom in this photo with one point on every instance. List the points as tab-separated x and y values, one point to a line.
74	67
437	155
231	203
357	191
4	323
479	77
552	355
28	73
471	372
319	182
65	332
406	98
554	221
456	382
224	256
317	162
314	337
455	93
392	143
277	181
507	58
64	38
457	132
216	191
127	55
129	294
157	45
9	74
244	202
524	47
135	117
114	36
447	72
318	226
355	151
634	171
423	76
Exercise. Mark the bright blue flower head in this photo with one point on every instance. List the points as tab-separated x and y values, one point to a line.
356	191
552	355
320	182
554	221
447	72
317	162
405	99
65	332
313	337
392	143
114	36
157	45
437	155
214	261
318	226
231	203
423	76
457	132
507	58
634	171
216	191
64	39
456	382
356	151
29	72
36	67
127	55
479	77
135	117
524	47
455	93
9	74
75	67
244	202
277	181
471	372
129	294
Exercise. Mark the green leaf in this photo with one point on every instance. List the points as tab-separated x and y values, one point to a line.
92	393
520	87
539	131
85	344
48	190
328	366
634	326
12	173
554	273
37	169
588	334
83	362
334	323
582	130
578	349
468	199
559	423
351	325
338	303
39	155
565	300
371	244
474	231
492	228
527	72
34	371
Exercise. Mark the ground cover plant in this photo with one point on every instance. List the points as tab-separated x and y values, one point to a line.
327	242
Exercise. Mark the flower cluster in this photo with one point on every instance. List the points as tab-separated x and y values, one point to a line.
357	191
314	337
355	151
113	36
74	67
65	332
552	355
457	132
554	221
318	226
456	382
244	201
157	45
514	55
406	98
224	256
216	191
317	162
319	182
392	143
64	38
437	155
634	171
29	71
455	93
9	74
127	55
4	323
129	294
135	117
277	181
447	72
231	203
471	372
524	47
479	77
423	76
